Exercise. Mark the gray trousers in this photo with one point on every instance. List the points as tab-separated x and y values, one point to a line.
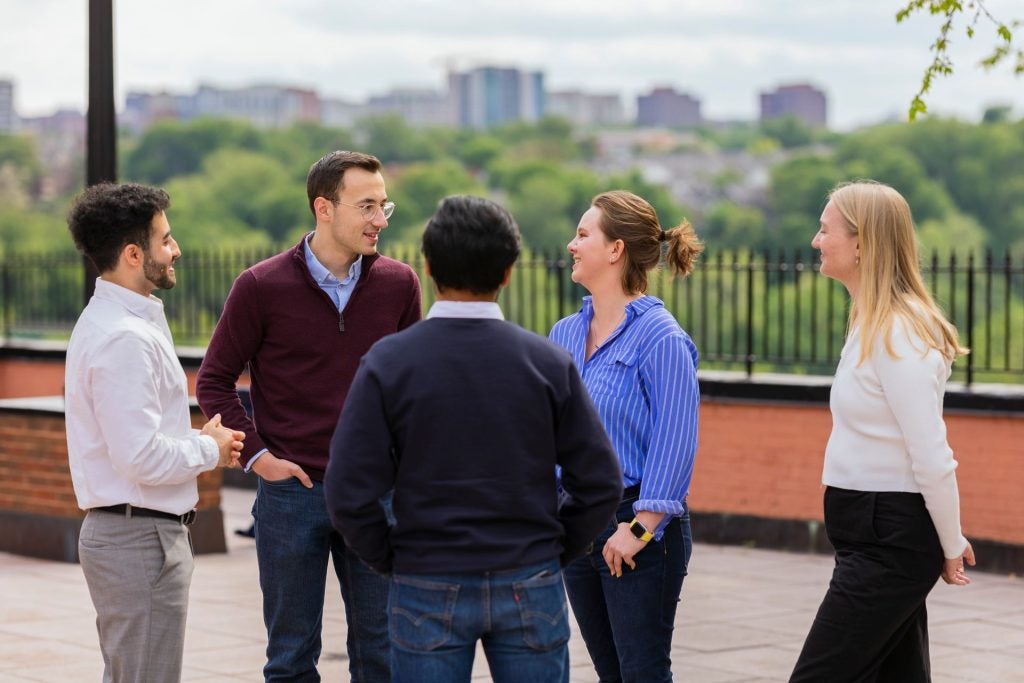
138	571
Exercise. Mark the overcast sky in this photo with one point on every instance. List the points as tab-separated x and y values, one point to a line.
722	51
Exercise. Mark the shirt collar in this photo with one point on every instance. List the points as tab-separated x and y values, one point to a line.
146	307
321	274
466	309
633	309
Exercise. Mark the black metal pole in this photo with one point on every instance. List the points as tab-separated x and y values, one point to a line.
101	124
970	318
749	361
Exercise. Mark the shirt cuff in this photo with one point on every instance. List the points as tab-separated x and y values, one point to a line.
253	459
671	508
209	451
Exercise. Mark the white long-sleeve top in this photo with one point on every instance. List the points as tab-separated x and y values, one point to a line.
887	428
130	437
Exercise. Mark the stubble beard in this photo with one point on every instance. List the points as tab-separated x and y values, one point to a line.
157	273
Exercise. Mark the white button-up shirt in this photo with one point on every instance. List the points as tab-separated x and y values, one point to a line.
130	438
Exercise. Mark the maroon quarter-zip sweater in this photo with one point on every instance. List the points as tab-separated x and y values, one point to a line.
300	352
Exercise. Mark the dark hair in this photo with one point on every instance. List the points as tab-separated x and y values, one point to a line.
469	243
326	176
107	217
627	217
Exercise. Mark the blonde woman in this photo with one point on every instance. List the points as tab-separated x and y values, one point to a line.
892	509
640	369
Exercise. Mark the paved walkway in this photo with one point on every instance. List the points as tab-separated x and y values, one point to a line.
743	618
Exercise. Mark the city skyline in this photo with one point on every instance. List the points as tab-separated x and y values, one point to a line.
725	54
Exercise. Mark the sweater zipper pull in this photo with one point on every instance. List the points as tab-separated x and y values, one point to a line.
341	321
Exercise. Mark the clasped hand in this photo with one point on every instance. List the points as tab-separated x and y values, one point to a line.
229	441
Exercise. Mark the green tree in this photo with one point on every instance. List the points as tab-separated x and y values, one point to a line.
170	148
997	114
733	137
300	145
391	140
979	167
955	231
789	131
477	150
543	212
239	199
550	138
20	170
27	230
669	211
418	188
797	193
732	226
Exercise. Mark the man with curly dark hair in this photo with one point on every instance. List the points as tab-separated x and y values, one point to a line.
133	454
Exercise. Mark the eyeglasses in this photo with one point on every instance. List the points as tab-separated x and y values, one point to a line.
369	211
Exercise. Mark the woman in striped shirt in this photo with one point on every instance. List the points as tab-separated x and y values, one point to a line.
640	368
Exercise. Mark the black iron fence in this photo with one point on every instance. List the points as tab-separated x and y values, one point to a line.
766	312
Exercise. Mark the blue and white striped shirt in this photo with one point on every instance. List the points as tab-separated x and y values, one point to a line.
643	380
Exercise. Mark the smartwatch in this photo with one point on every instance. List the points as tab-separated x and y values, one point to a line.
640	531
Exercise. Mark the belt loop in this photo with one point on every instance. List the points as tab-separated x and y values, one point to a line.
127	510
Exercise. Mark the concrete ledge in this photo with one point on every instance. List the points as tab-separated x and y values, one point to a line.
809	536
56	538
43	536
814	389
723	528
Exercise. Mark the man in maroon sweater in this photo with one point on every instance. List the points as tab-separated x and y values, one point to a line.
300	322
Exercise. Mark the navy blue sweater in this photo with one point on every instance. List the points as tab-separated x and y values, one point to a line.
466	419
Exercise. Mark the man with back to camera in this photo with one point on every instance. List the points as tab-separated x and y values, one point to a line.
299	322
133	454
466	417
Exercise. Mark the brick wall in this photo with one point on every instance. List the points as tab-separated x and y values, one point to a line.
760	456
20	378
39	515
765	460
34	474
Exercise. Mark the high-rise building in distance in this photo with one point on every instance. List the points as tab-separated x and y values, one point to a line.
488	96
8	117
586	109
800	100
665	106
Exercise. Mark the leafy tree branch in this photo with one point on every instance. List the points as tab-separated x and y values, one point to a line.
956	13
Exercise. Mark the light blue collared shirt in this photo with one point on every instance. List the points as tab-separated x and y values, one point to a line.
340	291
643	381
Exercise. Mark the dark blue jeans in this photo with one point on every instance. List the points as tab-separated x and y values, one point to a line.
627	622
294	539
520	615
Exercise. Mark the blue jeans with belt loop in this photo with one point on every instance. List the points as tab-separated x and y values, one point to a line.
627	622
294	542
520	616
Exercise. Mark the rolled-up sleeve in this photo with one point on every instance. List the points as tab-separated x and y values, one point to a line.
669	376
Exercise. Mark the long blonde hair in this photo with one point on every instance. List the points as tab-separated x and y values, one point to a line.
890	282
